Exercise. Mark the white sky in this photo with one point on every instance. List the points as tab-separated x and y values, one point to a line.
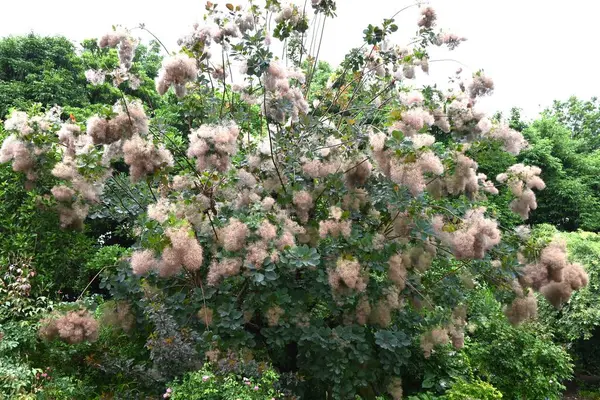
535	50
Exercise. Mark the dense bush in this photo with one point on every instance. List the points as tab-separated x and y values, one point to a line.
348	242
29	231
477	390
521	362
40	69
571	169
576	324
206	385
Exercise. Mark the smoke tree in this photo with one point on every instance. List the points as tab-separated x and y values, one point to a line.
335	230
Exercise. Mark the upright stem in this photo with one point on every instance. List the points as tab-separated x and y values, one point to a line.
312	72
212	225
157	39
271	141
302	37
151	191
224	85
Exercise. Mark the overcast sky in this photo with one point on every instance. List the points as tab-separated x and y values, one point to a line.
535	50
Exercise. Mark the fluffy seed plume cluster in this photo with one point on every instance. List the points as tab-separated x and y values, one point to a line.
143	261
523	307
406	171
413	120
144	158
71	212
160	210
521	180
118	315
184	252
95	77
274	314
233	236
553	276
456	328
289	12
363	310
247	189
182	207
359	171
205	315
435	337
335	226
512	140
449	39
201	36
78	190
20	123
222	269
481	85
20	146
347	277
394	388
388	302
464	179
412	174
304	203
283	100
176	71
128	122
428	18
574	278
268	243
486	185
330	162
73	327
472	238
397	271
213	146
126	45
22	159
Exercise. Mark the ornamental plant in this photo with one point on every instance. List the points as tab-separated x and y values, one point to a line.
335	229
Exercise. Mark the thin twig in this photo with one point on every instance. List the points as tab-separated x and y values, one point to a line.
271	142
151	191
155	37
90	282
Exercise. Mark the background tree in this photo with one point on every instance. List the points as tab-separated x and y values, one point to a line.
581	117
35	69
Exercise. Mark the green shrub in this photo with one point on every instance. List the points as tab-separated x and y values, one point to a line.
206	385
520	361
473	390
105	257
32	232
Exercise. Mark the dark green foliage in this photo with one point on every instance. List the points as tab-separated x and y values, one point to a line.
49	71
30	231
492	160
581	117
572	175
245	381
577	324
36	69
105	257
563	143
522	362
473	390
146	65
